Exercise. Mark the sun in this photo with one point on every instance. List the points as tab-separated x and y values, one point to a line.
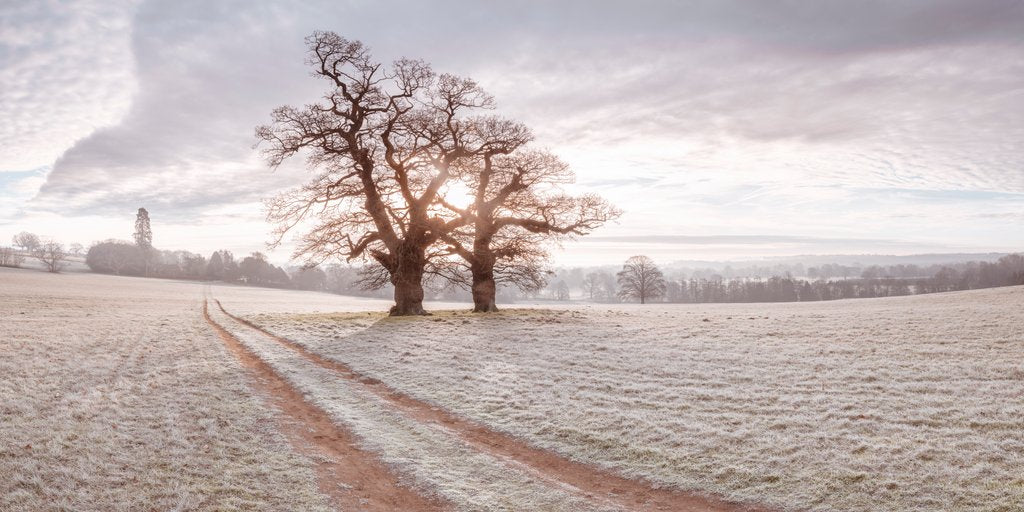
458	195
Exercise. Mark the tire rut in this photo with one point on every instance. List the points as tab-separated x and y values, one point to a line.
592	482
352	477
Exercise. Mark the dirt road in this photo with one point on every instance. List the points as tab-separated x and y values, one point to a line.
544	478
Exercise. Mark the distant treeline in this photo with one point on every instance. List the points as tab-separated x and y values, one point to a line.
874	281
826	271
128	259
827	282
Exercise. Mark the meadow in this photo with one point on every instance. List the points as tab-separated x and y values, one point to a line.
121	391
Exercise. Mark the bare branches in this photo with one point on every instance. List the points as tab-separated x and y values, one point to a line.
522	191
372	277
518	210
640	279
10	257
348	138
385	140
52	255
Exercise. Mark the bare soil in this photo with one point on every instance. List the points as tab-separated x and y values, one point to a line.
353	478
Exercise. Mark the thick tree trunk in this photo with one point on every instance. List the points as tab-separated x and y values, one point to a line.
484	288
408	280
484	292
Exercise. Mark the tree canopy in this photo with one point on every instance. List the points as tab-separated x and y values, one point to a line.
385	142
640	279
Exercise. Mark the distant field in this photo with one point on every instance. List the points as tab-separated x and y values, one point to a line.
907	403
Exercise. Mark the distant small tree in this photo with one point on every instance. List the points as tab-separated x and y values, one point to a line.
115	257
196	266
143	231
309	279
673	291
231	272
640	279
592	285
562	291
144	239
10	258
27	242
873	272
52	255
607	290
76	249
252	267
215	267
944	280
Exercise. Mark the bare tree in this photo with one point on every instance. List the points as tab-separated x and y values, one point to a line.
10	258
517	207
562	291
640	279
383	142
592	284
609	287
76	249
27	242
52	255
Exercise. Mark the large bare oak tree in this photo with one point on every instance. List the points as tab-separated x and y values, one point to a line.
384	141
517	207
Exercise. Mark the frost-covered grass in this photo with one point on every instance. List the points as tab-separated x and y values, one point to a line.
116	395
908	403
256	300
428	455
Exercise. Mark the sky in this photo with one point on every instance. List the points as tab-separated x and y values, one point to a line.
723	129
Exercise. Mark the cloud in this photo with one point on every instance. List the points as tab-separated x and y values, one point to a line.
186	143
701	117
65	70
15	189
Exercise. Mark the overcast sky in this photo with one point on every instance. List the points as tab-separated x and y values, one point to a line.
723	129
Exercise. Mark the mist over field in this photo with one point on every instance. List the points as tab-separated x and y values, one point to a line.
455	256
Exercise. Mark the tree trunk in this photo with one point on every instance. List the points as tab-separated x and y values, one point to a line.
408	280
484	292
484	287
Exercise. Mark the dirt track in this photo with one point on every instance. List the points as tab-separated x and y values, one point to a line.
373	483
353	478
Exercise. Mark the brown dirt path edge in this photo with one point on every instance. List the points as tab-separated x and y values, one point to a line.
605	485
352	478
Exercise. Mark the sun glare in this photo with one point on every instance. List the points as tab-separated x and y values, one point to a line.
459	195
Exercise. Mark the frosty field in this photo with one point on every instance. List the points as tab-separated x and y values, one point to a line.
116	393
912	403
